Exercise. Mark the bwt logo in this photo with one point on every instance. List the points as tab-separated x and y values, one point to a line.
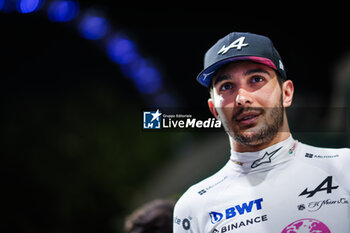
151	120
231	212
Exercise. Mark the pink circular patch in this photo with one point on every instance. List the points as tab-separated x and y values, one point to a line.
307	225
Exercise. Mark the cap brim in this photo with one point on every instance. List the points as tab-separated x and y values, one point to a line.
207	74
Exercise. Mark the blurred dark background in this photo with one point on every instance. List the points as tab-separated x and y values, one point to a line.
77	76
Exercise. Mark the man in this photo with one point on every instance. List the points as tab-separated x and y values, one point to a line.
272	183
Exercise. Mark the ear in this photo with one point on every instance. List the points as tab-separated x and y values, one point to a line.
288	91
212	108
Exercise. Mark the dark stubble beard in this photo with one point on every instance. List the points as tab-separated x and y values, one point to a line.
266	133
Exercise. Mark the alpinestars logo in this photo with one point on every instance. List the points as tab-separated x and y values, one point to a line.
265	159
326	185
206	75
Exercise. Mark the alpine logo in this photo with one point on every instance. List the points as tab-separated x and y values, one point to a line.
238	44
245	207
326	185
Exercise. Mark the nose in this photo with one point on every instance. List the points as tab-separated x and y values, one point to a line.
243	98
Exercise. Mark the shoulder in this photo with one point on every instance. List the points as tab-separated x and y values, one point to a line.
314	153
333	161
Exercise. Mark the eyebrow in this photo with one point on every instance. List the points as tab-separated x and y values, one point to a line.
222	78
258	70
248	72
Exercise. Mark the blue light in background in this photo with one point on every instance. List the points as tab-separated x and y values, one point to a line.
28	6
148	80
63	11
2	4
121	50
93	27
8	6
145	76
130	70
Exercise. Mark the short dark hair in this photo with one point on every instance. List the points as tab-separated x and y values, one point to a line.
153	217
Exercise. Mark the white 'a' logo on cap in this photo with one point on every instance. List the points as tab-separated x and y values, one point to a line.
239	43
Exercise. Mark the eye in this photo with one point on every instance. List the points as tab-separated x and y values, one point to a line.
257	79
226	86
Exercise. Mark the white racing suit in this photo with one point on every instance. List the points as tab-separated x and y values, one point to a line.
288	187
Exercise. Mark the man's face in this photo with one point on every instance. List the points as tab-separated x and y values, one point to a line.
248	99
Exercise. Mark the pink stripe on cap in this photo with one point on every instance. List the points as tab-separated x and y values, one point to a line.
262	60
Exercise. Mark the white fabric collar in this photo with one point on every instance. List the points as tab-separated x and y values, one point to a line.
264	159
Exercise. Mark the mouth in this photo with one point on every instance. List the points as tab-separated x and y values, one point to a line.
248	118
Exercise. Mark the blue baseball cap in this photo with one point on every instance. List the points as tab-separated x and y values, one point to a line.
240	46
